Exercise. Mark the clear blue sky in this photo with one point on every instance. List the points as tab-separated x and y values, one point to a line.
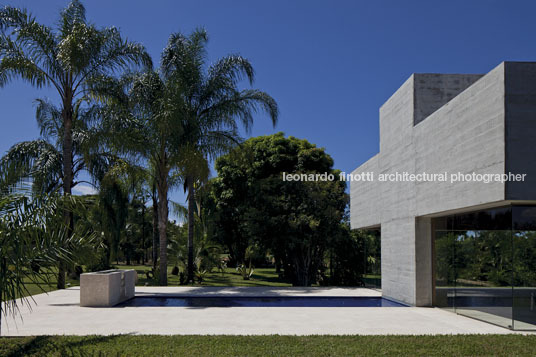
329	64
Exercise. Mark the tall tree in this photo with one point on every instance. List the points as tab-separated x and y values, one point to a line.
178	118
71	59
137	126
210	106
294	220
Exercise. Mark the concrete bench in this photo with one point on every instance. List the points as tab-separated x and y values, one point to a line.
107	288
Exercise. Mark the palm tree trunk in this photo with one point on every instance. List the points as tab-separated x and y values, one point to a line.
162	225
67	115
155	229
191	210
143	246
3	270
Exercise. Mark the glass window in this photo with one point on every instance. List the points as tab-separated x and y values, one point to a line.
524	267
485	265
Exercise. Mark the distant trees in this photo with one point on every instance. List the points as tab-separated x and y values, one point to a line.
354	257
295	221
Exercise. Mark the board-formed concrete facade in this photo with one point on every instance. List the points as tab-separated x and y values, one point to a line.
438	123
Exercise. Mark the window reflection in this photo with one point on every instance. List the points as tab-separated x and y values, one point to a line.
486	270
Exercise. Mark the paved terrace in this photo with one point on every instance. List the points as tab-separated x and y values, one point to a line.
59	313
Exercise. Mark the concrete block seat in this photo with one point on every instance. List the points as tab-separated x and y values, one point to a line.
107	288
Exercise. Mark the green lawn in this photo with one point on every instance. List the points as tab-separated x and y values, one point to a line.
462	345
261	277
46	286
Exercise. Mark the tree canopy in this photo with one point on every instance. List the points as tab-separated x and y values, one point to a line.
294	220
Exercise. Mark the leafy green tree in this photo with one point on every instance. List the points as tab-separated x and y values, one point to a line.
71	60
346	256
293	219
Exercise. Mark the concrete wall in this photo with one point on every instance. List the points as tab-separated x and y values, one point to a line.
465	135
463	129
443	123
423	261
365	204
397	221
433	90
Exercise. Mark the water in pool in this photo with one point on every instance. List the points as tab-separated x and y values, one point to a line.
244	301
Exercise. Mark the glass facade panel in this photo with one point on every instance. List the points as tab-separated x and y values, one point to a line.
485	265
373	275
524	274
483	276
445	279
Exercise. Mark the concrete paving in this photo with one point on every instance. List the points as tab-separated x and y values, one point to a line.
59	313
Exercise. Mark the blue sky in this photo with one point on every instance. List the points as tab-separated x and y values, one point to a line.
329	64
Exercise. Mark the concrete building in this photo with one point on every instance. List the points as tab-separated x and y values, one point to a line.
448	124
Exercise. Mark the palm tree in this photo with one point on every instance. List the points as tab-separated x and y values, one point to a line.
139	126
71	60
174	120
210	106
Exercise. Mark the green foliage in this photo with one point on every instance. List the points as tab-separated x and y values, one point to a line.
207	254
347	258
169	123
209	106
445	259
486	258
66	58
293	220
112	208
222	266
38	160
245	271
253	252
524	258
32	239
